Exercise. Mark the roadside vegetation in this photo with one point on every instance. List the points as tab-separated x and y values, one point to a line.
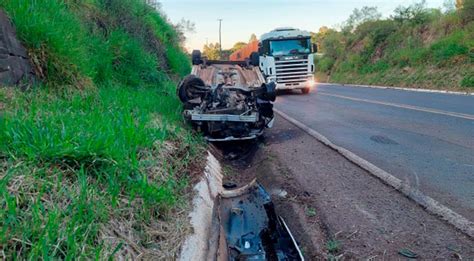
94	160
212	50
416	47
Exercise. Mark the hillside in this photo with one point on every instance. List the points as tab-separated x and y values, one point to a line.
415	47
94	159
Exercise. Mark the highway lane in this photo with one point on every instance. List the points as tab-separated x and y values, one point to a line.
426	139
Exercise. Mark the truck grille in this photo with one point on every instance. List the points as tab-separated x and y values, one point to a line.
292	72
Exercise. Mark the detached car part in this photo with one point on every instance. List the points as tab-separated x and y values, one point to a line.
251	228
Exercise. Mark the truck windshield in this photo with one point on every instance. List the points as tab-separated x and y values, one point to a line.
290	47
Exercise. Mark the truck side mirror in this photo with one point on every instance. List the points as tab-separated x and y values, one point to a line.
315	48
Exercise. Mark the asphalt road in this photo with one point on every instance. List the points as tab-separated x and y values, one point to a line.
426	139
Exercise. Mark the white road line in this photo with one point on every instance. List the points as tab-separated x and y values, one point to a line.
403	106
397	88
431	205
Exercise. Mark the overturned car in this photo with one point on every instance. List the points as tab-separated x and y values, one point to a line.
227	100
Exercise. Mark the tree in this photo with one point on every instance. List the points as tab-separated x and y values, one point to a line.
330	42
184	26
466	9
253	38
154	3
238	46
414	14
365	14
323	29
449	6
211	51
319	37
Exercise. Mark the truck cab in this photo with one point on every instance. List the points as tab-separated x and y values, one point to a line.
286	57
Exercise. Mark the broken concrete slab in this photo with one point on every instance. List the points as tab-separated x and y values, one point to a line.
202	244
236	224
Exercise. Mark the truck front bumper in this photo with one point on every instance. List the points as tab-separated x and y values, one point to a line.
310	83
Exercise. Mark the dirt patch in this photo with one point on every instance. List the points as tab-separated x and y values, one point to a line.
335	209
289	201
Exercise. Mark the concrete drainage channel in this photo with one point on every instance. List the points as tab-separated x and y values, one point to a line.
236	223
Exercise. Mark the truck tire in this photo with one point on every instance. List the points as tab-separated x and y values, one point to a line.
255	59
186	88
196	57
305	90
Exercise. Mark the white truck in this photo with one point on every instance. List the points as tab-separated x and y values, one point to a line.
285	56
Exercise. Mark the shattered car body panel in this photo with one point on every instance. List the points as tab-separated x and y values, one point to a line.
251	228
227	100
241	75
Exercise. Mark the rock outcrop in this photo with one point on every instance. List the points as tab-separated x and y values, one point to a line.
15	67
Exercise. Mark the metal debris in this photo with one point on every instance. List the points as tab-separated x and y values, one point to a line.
252	230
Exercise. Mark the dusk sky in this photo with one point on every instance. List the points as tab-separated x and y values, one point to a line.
241	18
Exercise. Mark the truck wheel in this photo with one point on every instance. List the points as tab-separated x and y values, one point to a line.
255	59
196	57
305	90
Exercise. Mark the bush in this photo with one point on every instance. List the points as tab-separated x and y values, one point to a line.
415	14
467	11
378	30
449	47
324	64
408	57
468	81
332	44
418	46
379	66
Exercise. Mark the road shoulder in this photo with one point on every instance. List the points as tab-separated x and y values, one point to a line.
337	209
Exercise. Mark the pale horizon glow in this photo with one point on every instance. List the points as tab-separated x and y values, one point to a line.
241	18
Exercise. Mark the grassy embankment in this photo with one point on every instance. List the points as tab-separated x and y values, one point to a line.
416	47
92	159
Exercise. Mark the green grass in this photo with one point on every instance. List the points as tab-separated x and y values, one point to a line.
97	148
57	42
105	127
333	246
418	77
71	163
468	81
79	44
310	212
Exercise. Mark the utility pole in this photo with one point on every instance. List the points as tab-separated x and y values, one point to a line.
220	38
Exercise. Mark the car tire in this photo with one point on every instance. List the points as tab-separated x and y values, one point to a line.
255	59
186	88
305	90
196	57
